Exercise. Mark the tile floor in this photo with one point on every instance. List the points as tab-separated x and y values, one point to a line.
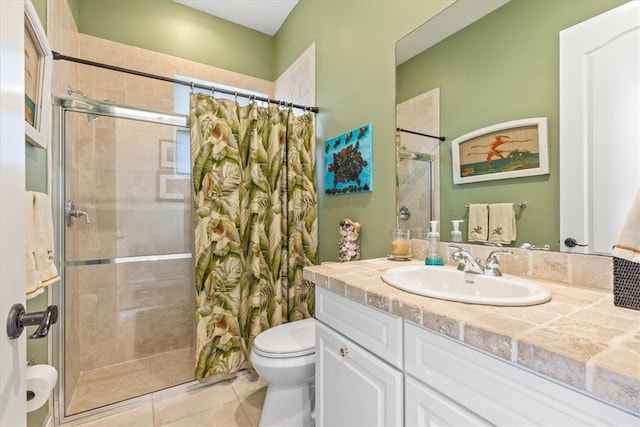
233	403
131	379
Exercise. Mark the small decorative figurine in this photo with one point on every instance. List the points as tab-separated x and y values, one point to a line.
349	242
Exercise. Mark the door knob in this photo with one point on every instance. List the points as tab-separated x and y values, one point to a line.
572	243
344	351
18	319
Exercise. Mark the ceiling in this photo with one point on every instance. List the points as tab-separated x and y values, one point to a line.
452	19
265	16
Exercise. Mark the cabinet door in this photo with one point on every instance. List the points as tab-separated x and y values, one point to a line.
427	407
353	387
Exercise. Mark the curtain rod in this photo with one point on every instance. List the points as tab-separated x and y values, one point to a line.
59	56
441	138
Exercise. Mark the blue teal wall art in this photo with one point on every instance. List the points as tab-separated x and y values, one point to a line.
347	162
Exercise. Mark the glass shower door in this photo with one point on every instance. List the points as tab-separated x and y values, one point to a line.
127	261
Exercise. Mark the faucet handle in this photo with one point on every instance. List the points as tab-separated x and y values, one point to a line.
492	259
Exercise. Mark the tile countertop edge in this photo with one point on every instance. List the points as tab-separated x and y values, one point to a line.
579	338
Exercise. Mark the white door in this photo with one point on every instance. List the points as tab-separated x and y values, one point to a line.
353	387
599	127
13	354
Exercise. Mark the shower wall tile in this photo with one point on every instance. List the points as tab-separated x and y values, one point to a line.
121	315
297	83
109	52
138	88
63	37
420	114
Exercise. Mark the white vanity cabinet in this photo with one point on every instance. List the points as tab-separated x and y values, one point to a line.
358	364
456	384
426	407
377	369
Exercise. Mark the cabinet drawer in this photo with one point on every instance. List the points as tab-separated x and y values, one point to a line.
427	407
375	330
498	391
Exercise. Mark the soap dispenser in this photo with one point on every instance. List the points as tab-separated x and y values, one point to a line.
456	234
433	256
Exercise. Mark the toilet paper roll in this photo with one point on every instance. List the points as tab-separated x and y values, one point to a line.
40	382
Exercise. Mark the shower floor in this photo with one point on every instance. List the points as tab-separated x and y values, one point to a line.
115	383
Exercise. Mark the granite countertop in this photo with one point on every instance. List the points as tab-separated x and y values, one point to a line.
579	338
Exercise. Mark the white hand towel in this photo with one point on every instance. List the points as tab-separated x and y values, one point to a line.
32	276
628	243
502	223
44	244
478	223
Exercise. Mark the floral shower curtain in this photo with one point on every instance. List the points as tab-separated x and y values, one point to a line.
255	218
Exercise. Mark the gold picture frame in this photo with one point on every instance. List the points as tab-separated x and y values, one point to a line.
38	60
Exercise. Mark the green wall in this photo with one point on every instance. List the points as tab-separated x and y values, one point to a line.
515	77
355	85
36	180
355	76
503	67
171	28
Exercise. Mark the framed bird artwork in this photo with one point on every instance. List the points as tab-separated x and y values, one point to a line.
505	150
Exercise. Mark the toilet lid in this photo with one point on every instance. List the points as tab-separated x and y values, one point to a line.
287	340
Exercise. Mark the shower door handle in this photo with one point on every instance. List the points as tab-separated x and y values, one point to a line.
72	213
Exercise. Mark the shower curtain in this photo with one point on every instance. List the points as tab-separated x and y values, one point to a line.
255	217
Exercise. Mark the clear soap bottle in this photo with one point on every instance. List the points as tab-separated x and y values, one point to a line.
456	234
433	256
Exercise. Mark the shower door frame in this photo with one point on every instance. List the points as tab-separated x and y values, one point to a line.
61	105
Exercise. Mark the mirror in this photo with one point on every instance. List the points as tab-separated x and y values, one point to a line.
502	67
418	120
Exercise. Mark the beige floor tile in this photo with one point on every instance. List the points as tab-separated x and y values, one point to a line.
228	415
252	404
171	409
123	381
141	416
245	384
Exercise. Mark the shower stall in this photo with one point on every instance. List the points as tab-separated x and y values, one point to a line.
416	189
123	215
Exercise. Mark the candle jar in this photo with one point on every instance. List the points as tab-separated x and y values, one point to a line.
400	244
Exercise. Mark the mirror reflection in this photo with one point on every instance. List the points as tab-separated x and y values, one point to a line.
501	64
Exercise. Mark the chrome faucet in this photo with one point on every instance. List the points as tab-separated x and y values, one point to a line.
466	262
470	264
492	263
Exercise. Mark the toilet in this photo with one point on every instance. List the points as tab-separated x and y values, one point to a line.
284	356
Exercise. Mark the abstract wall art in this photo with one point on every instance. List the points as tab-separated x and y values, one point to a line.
347	162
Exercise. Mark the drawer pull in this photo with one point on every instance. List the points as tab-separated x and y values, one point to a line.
344	351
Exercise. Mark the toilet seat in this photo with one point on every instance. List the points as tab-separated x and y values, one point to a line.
293	339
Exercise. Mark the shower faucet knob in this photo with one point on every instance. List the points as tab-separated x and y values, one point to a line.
72	213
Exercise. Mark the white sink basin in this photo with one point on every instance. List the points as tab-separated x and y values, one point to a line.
450	284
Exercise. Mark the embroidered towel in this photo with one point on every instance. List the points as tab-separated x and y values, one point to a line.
502	223
43	224
478	223
628	243
32	276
